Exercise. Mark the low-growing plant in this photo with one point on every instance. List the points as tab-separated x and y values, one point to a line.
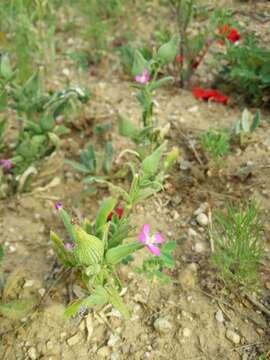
217	144
238	248
97	250
245	126
247	70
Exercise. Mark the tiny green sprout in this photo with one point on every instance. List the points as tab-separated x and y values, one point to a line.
245	126
216	143
238	247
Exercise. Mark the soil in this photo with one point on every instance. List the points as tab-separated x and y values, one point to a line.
193	318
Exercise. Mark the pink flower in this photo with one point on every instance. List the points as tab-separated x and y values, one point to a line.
7	164
69	246
149	241
58	205
143	78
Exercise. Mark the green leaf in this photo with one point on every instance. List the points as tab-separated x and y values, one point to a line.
139	63
5	67
245	121
167	52
118	253
16	309
157	84
108	156
255	122
77	166
2	253
126	128
47	122
150	163
115	299
105	209
74	308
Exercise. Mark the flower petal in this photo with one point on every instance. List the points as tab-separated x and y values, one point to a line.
158	238
144	234
153	249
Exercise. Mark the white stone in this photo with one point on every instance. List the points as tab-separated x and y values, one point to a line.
32	353
192	233
233	336
199	247
113	340
75	339
202	219
42	292
186	332
219	316
28	283
163	325
12	248
103	352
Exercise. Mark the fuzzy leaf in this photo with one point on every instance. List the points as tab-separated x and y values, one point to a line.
167	52
58	245
139	63
115	299
16	309
77	166
5	67
255	122
126	128
105	209
150	163
118	253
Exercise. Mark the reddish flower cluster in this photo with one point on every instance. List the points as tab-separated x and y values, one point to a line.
210	94
231	34
179	59
118	211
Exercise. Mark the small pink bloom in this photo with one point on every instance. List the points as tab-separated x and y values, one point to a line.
143	78
69	246
147	240
58	205
7	164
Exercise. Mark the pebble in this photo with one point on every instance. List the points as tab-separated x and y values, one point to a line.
219	316
12	248
186	332
233	336
32	353
187	279
202	219
113	340
104	352
192	233
89	326
28	283
199	247
163	326
75	339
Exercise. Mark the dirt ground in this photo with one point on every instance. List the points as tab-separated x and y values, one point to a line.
193	318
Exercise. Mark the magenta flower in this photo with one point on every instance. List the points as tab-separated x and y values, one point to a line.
7	164
58	205
69	246
143	78
147	240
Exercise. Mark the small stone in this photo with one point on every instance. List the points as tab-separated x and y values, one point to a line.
163	326
103	352
202	219
219	316
28	283
12	248
89	326
199	247
233	336
192	233
185	165
186	332
50	345
75	339
63	335
113	340
42	292
32	353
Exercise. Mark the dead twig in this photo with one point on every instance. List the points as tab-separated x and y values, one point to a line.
259	305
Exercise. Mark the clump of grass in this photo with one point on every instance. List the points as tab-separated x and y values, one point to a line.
216	143
238	247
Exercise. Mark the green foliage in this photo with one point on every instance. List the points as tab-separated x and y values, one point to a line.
238	245
216	143
154	267
247	70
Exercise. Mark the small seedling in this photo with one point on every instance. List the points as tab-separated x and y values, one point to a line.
217	144
237	245
245	126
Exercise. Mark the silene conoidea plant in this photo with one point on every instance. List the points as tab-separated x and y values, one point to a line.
216	143
245	126
148	136
96	250
238	248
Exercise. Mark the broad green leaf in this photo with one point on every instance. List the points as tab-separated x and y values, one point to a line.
126	128
108	156
72	309
17	309
115	299
157	84
47	122
5	67
245	121
167	52
77	166
118	253
105	209
150	163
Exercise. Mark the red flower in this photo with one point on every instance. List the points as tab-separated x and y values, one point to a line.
195	64
231	34
179	59
210	94
118	211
